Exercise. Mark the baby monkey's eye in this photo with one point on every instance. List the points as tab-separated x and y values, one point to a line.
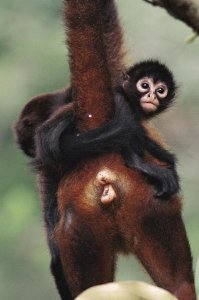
145	85
160	90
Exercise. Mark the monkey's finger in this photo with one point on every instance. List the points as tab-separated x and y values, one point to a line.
168	190
163	191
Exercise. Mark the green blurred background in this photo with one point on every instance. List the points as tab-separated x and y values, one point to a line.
33	60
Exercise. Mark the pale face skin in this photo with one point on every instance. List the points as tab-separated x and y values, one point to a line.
152	93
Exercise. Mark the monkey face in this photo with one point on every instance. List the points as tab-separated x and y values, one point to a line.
149	87
151	93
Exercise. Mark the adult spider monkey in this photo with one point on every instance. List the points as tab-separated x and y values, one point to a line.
137	222
38	110
88	234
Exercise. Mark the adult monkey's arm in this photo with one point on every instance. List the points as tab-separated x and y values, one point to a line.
89	72
113	41
85	259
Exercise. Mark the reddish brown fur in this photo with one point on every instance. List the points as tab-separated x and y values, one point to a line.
88	67
89	235
113	41
136	223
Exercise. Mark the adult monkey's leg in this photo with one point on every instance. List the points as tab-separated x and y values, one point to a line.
48	194
162	247
87	254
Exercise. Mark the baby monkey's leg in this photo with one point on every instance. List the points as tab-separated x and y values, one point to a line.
105	178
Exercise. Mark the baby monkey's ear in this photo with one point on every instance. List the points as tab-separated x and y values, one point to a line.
125	76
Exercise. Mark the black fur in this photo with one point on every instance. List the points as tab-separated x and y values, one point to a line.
165	179
48	192
58	142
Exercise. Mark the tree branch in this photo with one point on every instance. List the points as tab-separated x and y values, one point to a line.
185	10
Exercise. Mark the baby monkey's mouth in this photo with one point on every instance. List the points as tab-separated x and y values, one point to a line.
149	106
149	102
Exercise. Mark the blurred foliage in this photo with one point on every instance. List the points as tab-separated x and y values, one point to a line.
32	61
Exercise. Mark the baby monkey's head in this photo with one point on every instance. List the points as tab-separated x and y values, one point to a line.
150	87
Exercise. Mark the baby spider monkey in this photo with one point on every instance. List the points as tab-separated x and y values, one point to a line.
148	88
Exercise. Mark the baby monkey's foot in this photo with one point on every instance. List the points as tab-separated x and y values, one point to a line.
105	178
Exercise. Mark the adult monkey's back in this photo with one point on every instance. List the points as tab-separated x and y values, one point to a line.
89	234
